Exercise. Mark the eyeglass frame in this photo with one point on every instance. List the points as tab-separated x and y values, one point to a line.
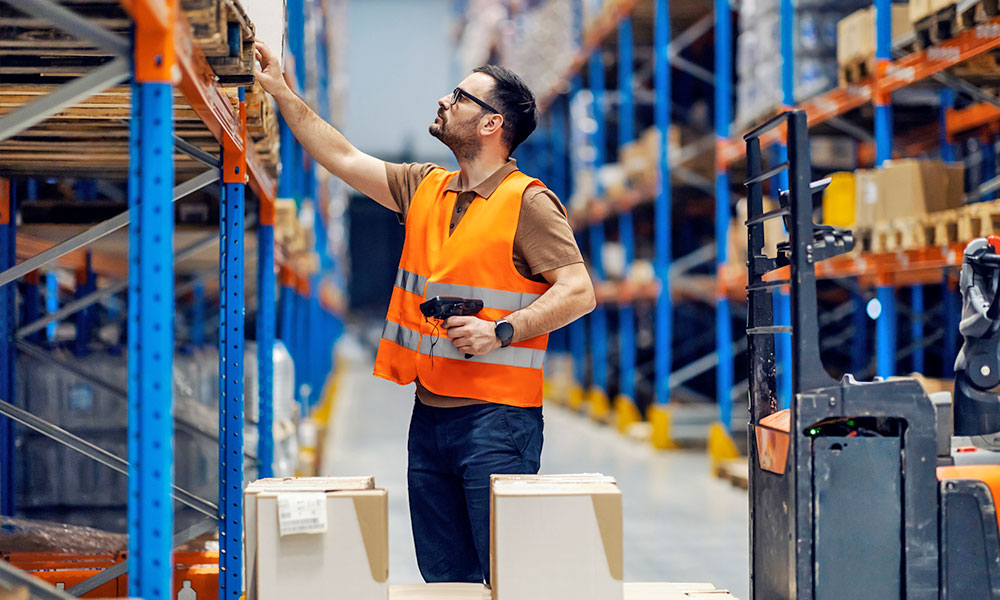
456	97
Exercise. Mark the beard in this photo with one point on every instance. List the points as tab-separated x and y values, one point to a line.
460	138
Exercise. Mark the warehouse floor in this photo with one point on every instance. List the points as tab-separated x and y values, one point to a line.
681	524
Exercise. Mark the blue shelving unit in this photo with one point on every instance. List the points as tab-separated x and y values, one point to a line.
149	65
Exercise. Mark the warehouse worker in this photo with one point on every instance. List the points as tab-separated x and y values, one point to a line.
486	232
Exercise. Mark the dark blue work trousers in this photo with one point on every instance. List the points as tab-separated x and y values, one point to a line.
452	453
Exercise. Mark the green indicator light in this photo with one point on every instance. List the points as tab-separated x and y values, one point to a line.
850	423
814	431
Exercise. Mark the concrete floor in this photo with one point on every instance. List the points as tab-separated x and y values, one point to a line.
681	524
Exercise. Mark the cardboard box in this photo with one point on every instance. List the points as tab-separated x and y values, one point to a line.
909	188
918	9
673	591
556	540
440	591
866	195
287	484
349	560
856	32
555	478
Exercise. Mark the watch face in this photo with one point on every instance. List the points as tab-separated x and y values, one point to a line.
505	332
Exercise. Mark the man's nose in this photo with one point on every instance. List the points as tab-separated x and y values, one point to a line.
444	102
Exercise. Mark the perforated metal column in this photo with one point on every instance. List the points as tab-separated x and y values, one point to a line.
231	393
151	341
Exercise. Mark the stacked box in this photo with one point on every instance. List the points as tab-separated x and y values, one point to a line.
556	537
906	188
316	537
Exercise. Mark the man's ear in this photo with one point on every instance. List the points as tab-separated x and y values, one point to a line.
492	124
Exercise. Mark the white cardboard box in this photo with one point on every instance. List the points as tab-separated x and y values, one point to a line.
287	484
440	591
556	540
349	561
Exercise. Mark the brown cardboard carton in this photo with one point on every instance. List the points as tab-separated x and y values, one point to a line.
556	539
866	196
909	188
350	559
856	32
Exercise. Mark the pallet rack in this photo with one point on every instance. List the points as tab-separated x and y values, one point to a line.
899	65
620	305
169	78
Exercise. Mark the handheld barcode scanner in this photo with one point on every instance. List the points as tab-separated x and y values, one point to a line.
443	307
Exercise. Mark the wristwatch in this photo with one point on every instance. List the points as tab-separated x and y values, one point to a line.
504	332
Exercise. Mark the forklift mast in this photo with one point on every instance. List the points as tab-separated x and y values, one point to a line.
838	510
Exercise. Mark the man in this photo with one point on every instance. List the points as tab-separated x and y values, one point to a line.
486	232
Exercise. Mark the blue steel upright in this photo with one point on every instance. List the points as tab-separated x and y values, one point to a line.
231	345
885	325
664	304
8	258
626	228
266	307
723	117
598	318
151	341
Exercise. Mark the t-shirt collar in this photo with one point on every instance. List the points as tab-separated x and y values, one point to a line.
488	185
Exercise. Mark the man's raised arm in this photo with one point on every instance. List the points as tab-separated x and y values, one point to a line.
321	140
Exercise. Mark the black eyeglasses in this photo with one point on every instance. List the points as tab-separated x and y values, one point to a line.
459	92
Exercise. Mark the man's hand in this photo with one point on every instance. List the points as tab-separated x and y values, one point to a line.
269	75
472	335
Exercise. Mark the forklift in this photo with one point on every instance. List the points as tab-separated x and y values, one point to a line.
864	490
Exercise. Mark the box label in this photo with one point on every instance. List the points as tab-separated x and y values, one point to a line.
301	512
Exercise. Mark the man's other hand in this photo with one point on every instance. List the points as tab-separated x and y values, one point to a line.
269	74
472	335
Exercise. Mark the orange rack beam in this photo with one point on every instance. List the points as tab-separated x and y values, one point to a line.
905	267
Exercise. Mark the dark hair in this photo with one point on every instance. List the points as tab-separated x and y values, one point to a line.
515	102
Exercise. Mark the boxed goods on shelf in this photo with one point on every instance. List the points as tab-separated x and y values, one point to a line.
856	41
581	554
906	188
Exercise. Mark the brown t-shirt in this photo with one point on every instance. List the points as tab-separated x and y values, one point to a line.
543	240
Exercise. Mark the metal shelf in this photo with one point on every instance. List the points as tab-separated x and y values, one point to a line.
890	77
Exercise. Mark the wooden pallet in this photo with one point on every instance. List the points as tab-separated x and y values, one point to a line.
32	48
856	70
976	12
948	21
937	27
977	220
94	134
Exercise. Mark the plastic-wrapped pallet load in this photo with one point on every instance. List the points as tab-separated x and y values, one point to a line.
355	518
556	537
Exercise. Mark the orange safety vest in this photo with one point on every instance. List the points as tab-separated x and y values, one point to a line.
475	261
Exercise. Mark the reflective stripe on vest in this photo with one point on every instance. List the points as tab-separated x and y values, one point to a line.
396	333
499	299
511	356
411	282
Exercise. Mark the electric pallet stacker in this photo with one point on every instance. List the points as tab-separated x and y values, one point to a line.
855	489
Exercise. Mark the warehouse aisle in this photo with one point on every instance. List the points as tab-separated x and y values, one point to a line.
681	524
